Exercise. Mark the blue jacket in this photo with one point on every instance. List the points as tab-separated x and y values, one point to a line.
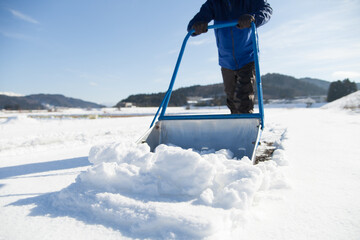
234	45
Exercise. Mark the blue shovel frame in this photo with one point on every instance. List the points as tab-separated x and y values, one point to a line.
164	104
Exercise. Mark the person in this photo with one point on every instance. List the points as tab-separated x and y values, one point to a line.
236	55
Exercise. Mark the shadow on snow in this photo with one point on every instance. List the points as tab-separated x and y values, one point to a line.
43	204
44	208
7	172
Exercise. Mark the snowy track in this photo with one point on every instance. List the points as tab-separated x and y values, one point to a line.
49	189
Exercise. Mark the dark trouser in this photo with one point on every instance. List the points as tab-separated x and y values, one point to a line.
239	88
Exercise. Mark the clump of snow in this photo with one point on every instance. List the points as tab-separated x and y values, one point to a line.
277	137
167	193
351	101
173	173
280	158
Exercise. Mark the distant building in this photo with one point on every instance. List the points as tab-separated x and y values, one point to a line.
126	104
199	101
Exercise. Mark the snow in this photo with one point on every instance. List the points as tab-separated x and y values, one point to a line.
351	101
81	178
140	191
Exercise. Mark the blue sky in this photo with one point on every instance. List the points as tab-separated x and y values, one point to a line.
103	51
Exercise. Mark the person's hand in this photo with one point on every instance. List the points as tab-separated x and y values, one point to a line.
245	21
200	27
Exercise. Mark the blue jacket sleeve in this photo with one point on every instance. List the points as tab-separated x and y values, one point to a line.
262	13
206	14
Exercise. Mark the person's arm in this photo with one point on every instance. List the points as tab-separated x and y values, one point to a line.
204	16
262	12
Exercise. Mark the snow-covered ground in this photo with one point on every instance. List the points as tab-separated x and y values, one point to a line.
81	178
351	101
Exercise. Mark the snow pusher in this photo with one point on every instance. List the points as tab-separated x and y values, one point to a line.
240	133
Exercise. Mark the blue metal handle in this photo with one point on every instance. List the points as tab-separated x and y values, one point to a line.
165	101
257	72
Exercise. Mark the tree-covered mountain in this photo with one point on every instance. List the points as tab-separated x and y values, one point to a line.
58	100
18	103
278	86
178	97
43	101
275	86
320	83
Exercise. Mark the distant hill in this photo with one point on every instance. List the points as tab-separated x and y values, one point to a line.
351	101
278	86
178	97
320	83
43	101
18	103
275	86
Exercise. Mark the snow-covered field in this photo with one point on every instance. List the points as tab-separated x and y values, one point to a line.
81	178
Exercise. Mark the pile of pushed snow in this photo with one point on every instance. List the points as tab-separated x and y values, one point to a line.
170	193
351	101
172	172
